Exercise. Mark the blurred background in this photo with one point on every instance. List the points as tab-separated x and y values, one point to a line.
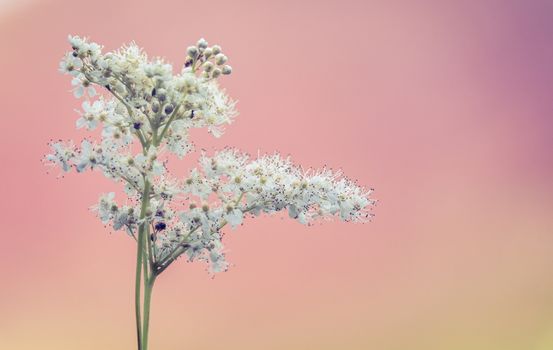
444	107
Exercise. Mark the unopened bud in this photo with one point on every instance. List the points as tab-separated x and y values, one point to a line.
169	109
208	52
216	72
188	61
226	69
220	59
192	51
159	226
216	49
208	66
155	107
161	95
202	43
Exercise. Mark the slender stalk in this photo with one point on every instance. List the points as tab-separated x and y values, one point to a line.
147	301
171	118
140	259
145	257
137	296
147	260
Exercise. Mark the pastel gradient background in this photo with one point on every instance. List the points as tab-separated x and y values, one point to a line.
444	107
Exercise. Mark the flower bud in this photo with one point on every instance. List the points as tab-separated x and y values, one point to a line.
155	107
205	208
202	43
226	69
216	72
169	109
220	59
160	226
188	61
161	95
192	51
216	49
208	52
208	66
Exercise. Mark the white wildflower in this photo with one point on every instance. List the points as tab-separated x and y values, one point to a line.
81	86
149	113
93	113
70	65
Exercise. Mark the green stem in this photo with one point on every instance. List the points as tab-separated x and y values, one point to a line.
137	296
171	118
140	259
147	300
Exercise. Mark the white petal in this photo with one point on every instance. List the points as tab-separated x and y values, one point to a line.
91	91
78	92
80	123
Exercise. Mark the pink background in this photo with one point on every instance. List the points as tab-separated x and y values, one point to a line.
444	107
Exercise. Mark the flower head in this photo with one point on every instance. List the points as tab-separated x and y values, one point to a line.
146	111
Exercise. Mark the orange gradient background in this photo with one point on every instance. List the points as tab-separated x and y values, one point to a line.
444	107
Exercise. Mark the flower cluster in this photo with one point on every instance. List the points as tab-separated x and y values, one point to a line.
144	101
148	100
